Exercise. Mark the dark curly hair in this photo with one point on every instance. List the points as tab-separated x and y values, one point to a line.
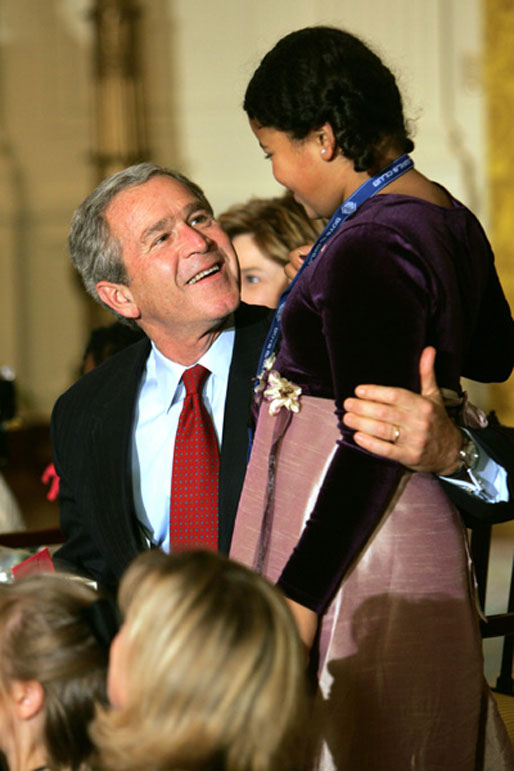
323	74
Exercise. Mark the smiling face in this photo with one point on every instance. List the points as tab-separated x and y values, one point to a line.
262	278
312	168
182	269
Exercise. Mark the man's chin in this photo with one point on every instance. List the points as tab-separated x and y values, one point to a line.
224	308
232	305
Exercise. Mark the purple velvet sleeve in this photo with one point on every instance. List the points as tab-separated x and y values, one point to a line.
374	307
492	349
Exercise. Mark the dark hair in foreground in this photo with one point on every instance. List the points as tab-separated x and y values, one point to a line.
45	636
323	74
95	252
217	671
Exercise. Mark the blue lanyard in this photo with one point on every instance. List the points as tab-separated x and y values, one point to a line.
368	189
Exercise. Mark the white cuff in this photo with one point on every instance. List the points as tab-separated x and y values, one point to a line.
487	481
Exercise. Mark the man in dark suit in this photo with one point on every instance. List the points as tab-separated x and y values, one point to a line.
91	433
147	247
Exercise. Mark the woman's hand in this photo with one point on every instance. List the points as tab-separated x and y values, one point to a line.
296	258
306	620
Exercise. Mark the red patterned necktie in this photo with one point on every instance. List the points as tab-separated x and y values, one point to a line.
196	462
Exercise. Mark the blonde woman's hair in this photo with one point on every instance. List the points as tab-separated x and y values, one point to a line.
45	636
216	671
278	225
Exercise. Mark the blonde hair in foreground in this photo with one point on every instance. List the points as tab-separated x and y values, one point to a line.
217	670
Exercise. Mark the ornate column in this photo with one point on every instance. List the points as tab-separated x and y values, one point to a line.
120	137
119	104
499	74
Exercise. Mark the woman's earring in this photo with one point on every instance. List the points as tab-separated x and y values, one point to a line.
323	151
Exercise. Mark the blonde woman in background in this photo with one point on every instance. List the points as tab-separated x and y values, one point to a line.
264	231
52	673
206	673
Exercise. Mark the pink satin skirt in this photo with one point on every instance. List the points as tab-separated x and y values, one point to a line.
401	682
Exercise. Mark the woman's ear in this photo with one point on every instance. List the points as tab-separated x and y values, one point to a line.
119	298
327	142
28	698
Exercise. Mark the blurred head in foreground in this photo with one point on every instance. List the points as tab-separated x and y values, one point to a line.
206	673
52	672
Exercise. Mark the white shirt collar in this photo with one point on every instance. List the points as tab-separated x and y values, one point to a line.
163	376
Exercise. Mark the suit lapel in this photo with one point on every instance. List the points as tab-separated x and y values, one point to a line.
110	441
252	323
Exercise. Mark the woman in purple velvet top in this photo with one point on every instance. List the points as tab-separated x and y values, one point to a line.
372	558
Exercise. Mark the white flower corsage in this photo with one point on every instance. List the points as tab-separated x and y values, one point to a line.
280	392
262	377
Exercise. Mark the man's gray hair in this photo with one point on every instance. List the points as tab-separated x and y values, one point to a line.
95	252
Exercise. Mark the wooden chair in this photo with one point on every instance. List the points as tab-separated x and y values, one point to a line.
499	624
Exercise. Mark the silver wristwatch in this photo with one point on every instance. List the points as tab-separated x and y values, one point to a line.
468	454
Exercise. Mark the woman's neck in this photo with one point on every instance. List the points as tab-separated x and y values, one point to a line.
417	185
26	756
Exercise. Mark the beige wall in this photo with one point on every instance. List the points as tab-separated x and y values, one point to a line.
434	47
198	56
499	41
44	136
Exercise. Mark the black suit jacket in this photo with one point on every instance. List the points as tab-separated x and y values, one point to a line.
91	437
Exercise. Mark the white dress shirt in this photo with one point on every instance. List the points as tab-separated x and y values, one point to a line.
160	401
